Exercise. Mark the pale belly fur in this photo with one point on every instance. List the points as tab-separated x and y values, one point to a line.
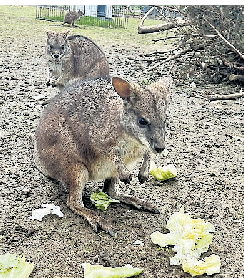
131	152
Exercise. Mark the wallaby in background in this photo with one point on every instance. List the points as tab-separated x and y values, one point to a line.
71	17
71	57
98	130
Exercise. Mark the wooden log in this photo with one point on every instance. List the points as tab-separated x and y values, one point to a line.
226	97
160	27
234	77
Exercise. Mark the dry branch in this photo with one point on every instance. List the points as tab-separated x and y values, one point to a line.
171	58
160	27
231	65
161	52
167	38
225	40
226	97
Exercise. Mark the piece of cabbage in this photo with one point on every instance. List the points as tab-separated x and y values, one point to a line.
191	238
162	173
12	266
38	214
101	200
99	271
209	265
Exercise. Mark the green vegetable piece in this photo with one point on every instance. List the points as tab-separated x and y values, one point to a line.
99	271
210	265
101	200
191	238
164	239
163	173
12	266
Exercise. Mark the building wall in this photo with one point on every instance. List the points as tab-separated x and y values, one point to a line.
108	11
91	10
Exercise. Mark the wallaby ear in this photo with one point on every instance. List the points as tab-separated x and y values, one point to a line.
65	34
49	33
122	87
163	85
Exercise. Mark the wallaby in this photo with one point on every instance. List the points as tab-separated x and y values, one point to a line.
71	57
71	17
98	130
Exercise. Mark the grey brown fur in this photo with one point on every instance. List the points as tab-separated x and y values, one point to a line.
72	57
72	16
98	130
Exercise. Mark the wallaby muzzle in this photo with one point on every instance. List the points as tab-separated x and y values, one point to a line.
158	142
159	150
158	147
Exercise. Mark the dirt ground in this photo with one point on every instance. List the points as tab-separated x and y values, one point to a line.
205	141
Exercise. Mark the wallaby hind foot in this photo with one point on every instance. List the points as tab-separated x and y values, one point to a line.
77	180
93	219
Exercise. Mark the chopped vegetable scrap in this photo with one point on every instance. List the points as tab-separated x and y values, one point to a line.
210	265
12	266
101	200
191	238
163	173
99	271
47	209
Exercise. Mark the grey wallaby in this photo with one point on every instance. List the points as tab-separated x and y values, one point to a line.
72	16
98	130
71	57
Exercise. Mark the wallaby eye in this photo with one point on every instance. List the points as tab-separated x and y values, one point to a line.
62	46
142	122
51	46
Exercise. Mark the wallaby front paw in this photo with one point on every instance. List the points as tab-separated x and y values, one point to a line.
142	178
127	180
51	82
125	177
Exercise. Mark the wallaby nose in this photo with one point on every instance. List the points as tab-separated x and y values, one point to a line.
159	150
56	56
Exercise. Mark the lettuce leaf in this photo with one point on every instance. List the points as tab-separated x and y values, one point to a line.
210	265
163	173
101	200
99	271
12	266
191	238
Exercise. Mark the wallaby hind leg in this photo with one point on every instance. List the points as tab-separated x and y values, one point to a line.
110	187
77	183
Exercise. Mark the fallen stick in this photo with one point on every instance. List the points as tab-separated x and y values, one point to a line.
231	65
170	58
226	97
167	38
145	16
160	27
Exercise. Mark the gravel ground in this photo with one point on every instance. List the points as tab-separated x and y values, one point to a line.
204	140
